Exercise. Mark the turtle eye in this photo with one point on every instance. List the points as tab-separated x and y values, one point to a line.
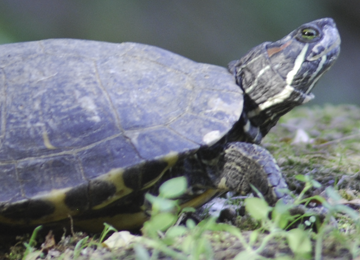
309	34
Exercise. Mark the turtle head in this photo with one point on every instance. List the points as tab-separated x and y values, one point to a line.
277	76
303	56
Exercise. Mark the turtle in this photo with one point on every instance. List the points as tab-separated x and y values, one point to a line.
88	127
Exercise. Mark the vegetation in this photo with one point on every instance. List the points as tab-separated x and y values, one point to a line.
318	150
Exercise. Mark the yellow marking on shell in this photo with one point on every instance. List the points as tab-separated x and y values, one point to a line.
222	184
201	199
47	143
171	158
10	221
57	198
115	177
129	221
121	221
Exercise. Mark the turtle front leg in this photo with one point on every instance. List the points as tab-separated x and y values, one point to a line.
242	164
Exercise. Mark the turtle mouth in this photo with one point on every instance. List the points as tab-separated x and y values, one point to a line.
333	49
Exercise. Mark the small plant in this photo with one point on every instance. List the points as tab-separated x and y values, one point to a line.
81	244
32	242
298	239
333	209
162	232
108	228
164	210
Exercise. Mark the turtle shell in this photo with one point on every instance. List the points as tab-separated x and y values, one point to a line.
85	123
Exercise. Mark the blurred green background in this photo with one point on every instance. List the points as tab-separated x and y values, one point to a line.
210	31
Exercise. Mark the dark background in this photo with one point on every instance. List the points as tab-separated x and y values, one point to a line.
210	31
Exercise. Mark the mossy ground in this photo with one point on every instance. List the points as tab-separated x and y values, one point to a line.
322	142
328	145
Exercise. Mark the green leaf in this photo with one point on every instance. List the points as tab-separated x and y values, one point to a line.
188	210
347	210
32	242
173	188
161	221
299	241
108	228
160	204
333	194
79	246
141	253
301	177
318	198
316	184
187	244
202	247
257	208
190	223
209	224
254	236
281	214
176	231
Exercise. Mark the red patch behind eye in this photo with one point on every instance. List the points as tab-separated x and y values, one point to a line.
274	50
